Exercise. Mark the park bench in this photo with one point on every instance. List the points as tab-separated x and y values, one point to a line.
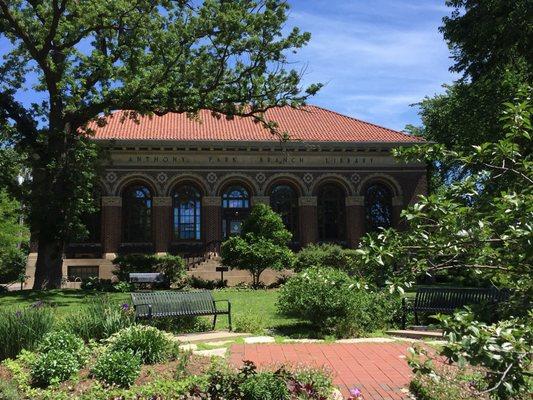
148	278
178	304
447	300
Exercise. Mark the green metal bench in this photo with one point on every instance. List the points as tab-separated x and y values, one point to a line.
447	300
178	304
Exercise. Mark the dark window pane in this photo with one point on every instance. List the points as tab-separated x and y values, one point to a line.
331	213
378	207
187	208
91	221
284	201
77	273
137	214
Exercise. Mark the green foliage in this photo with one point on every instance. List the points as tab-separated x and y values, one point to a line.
147	342
200	283
480	223
503	349
61	340
182	324
157	57
53	367
265	386
99	319
23	329
324	255
248	323
8	391
336	303
262	244
119	368
14	238
173	267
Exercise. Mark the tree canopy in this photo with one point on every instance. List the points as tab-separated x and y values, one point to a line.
263	243
88	58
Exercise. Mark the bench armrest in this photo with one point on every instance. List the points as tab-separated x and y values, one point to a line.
227	301
147	305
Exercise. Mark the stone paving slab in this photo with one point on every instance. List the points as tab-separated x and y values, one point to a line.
207	337
379	370
259	339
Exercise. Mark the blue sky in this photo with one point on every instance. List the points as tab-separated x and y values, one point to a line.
376	57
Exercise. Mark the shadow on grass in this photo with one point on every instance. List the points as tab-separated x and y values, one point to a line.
297	330
55	298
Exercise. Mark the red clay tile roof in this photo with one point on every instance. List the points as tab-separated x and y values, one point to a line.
310	123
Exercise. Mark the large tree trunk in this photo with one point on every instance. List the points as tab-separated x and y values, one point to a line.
48	270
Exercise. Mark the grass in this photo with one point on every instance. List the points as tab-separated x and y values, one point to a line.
243	302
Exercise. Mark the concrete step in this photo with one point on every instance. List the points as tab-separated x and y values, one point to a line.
208	337
416	334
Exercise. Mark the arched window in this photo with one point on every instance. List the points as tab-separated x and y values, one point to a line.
187	208
236	197
331	213
284	201
137	214
378	207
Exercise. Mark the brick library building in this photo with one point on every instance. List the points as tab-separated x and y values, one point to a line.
176	185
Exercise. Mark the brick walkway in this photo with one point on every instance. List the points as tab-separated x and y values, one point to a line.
379	370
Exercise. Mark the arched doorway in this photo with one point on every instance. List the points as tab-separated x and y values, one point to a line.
235	209
284	201
137	214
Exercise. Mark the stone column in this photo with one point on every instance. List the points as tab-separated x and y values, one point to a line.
397	206
260	200
162	223
211	218
308	219
355	220
111	225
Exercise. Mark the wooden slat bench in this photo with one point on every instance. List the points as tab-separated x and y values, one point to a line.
446	300
148	278
178	304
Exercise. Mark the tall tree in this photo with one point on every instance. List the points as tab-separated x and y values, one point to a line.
148	56
490	43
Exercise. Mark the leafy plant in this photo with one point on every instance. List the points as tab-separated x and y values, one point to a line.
504	349
324	255
61	340
119	368
263	244
8	391
265	386
23	328
336	303
173	267
53	367
249	323
101	318
147	342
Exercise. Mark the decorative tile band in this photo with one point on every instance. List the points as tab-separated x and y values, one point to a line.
162	201
111	201
212	201
307	201
355	201
260	200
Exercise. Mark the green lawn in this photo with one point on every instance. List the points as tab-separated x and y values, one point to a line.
261	303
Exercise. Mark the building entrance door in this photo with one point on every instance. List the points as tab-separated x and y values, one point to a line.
232	221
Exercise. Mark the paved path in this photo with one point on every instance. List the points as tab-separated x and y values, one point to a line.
379	370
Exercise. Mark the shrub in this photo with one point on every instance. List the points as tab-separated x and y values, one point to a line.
23	329
265	386
147	342
182	324
263	243
96	284
53	367
335	303
119	368
173	267
325	255
99	319
209	284
249	323
62	340
8	391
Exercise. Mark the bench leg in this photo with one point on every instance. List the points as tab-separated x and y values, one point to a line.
416	319
229	321
214	321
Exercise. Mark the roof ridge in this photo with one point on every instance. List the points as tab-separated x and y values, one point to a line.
362	121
